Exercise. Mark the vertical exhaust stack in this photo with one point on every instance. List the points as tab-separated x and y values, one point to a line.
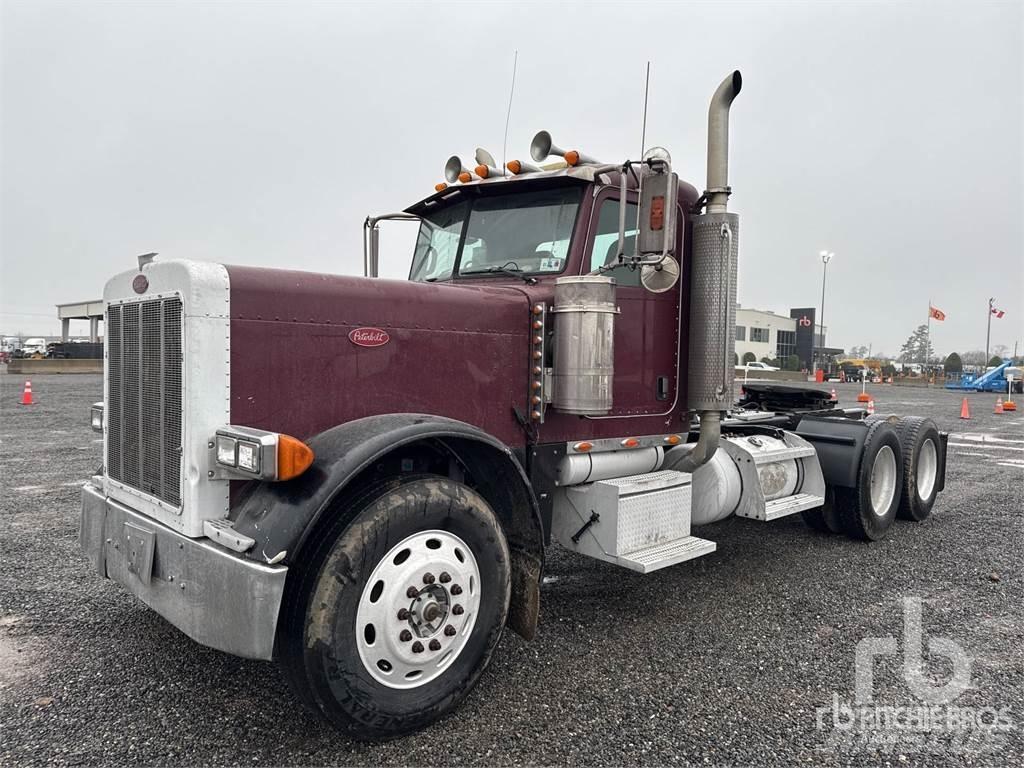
713	288
718	142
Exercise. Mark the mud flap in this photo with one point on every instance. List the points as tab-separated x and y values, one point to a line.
524	608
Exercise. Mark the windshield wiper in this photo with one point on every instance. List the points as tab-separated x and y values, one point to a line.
511	269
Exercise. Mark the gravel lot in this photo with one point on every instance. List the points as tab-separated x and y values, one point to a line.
722	660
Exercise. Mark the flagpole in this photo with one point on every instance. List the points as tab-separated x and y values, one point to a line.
988	333
928	337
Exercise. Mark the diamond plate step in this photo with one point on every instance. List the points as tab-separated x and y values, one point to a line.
666	554
789	504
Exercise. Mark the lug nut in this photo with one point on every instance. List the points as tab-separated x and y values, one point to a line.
445	577
406	636
458	610
428	578
412	592
450	630
456	589
403	614
435	645
417	647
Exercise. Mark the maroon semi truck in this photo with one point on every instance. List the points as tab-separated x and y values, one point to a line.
358	477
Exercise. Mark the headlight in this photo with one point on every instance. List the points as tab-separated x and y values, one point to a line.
248	456
226	450
256	453
96	416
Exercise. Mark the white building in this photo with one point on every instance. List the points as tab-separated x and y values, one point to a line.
769	335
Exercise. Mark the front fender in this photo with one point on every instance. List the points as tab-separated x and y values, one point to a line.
279	516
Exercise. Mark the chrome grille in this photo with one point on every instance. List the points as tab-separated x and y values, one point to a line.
144	396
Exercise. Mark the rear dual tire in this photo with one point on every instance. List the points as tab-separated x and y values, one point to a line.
824	518
922	461
867	510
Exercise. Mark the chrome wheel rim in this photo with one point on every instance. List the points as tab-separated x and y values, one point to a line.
883	480
418	608
927	469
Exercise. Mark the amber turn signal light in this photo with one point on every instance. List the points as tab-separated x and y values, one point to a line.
293	457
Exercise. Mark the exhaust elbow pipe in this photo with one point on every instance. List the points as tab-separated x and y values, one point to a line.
718	142
703	449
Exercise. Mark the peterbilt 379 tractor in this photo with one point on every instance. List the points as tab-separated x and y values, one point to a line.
358	477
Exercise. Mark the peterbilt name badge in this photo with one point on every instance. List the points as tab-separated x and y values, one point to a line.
140	283
369	337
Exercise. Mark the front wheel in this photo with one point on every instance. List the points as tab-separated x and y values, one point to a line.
393	619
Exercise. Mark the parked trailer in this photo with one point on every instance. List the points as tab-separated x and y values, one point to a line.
358	477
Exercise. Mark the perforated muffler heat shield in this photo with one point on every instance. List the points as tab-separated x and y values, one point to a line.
713	311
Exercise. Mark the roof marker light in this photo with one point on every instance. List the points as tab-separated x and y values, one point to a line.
519	167
487	172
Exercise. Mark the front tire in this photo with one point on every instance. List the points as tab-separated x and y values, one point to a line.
365	652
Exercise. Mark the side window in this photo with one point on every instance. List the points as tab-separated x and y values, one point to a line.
606	241
437	244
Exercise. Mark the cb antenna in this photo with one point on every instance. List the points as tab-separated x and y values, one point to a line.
508	115
643	129
643	145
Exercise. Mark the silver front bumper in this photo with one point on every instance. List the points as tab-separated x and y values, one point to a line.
211	594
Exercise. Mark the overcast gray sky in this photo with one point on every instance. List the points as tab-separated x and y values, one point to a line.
263	133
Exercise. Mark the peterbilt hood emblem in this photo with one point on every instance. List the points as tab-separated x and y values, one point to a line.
369	337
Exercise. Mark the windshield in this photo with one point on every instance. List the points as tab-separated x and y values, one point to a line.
524	232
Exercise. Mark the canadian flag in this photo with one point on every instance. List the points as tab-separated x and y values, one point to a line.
997	312
935	313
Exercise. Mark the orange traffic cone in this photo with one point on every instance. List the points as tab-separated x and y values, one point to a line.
965	410
834	398
871	407
26	396
999	405
1009	405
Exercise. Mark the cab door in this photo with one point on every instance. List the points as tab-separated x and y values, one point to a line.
647	328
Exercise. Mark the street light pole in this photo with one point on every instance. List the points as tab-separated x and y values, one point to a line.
826	257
